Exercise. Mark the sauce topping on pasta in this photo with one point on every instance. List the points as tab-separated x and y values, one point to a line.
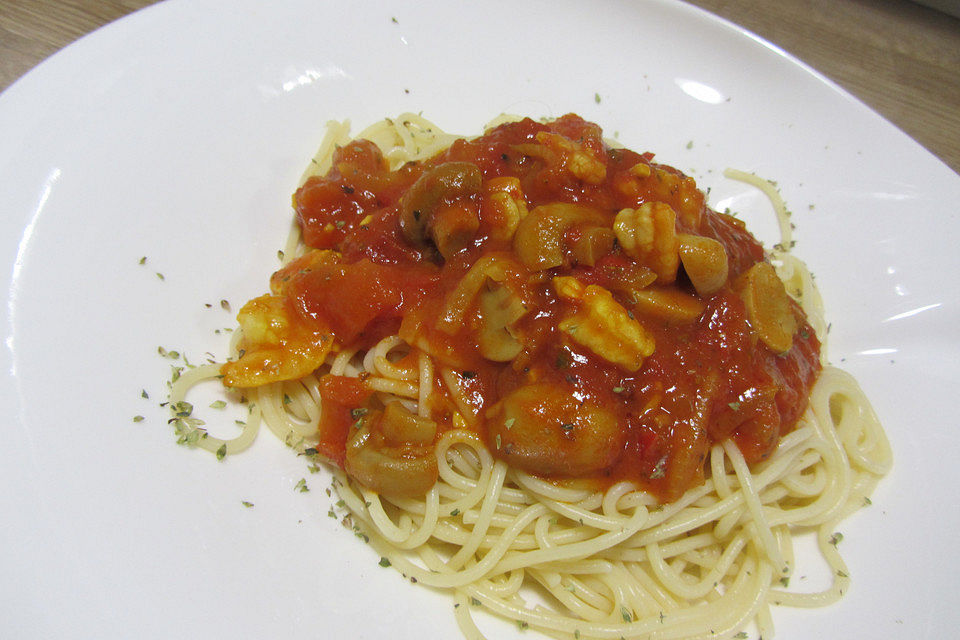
591	318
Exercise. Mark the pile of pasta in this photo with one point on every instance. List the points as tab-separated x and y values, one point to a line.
566	559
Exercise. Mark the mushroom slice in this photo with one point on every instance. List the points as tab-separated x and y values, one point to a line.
438	186
538	241
769	309
406	470
500	308
669	305
541	428
705	263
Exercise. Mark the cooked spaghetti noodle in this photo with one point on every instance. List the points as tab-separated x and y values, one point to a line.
615	555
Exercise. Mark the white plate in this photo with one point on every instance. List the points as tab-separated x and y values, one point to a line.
179	133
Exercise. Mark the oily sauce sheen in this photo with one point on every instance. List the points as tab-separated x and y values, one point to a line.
594	319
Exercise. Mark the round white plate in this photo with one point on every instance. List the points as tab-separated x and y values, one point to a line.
178	134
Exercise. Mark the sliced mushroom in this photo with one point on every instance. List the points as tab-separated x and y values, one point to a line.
538	241
541	428
401	426
500	308
595	243
669	305
398	471
705	263
498	267
439	185
453	226
768	306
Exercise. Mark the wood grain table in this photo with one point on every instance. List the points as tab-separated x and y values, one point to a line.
900	58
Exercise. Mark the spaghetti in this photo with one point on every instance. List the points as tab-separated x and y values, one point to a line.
432	448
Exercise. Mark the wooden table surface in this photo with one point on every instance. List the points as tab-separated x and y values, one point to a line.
900	58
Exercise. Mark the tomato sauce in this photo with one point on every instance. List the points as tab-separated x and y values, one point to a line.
561	291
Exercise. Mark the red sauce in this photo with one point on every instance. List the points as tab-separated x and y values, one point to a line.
708	378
